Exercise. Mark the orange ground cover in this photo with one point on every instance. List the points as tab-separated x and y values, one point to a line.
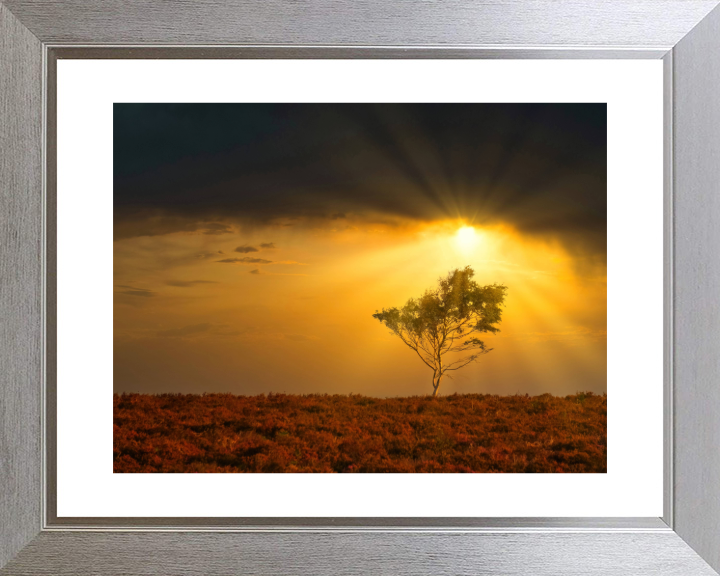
322	433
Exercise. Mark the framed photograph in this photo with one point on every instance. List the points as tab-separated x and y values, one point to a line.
359	286
263	269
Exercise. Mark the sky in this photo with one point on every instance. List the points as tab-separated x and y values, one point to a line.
253	243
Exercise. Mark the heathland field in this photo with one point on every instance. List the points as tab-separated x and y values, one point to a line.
323	433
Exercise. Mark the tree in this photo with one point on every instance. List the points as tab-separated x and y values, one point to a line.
446	319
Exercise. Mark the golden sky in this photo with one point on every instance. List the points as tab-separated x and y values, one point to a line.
300	320
254	242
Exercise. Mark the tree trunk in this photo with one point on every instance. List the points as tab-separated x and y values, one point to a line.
436	385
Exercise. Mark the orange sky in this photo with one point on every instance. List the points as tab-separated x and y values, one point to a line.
296	316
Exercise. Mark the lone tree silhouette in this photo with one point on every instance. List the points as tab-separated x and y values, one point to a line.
445	319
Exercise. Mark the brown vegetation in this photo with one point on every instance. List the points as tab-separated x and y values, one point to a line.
322	433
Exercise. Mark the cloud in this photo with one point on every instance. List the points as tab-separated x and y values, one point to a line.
188	283
541	168
134	291
142	293
258	271
156	221
245	260
185	331
299	337
203	330
166	261
215	228
247	249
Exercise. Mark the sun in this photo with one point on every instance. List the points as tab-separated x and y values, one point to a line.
466	238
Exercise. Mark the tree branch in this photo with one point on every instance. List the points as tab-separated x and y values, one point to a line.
465	361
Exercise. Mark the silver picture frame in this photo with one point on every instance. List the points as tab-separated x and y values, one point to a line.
685	34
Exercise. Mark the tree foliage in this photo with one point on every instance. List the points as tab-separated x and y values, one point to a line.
447	319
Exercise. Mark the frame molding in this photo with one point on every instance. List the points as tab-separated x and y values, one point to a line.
21	375
685	33
696	183
402	23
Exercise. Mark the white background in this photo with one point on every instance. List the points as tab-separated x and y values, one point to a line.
86	92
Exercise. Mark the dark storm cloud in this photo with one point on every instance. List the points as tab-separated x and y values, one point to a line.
188	283
197	167
246	260
246	249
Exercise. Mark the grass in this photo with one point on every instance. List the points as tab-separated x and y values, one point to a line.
333	433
